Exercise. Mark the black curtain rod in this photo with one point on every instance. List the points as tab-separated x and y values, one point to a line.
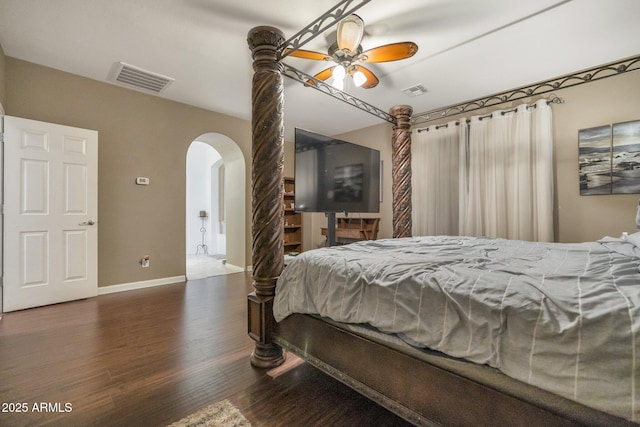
553	100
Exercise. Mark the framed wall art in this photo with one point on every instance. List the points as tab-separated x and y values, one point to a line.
625	162
609	159
595	160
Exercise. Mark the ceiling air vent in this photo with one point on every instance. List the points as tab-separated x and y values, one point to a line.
135	77
416	90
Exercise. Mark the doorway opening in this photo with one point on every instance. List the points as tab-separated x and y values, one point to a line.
215	171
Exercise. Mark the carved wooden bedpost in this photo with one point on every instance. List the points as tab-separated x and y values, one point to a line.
267	190
401	170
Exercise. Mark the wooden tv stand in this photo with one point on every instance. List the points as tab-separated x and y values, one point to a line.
353	229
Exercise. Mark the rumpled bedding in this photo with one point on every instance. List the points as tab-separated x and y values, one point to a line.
562	317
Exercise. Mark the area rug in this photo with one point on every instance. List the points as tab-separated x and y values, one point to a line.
221	414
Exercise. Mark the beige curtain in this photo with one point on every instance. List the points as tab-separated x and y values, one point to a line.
510	175
435	156
493	177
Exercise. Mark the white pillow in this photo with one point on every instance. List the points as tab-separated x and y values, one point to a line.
634	238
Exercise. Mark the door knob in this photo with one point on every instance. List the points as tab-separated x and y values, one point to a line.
90	222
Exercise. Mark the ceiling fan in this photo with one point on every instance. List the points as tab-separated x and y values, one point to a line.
347	53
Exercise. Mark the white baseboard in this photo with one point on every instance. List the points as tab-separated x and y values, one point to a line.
103	290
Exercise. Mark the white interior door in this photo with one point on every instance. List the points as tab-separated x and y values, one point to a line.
50	245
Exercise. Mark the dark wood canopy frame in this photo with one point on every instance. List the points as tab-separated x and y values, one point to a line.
421	391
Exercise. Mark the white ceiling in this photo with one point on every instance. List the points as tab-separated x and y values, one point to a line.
467	48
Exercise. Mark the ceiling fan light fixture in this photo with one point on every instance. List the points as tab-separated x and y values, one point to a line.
359	78
350	31
338	72
346	53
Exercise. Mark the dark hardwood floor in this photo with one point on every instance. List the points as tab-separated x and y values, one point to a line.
150	357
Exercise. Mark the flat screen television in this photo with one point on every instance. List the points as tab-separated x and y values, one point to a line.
334	175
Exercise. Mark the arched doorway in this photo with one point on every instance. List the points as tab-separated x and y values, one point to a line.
215	207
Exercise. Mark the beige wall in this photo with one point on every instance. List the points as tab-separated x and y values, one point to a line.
578	218
143	135
607	101
139	135
3	90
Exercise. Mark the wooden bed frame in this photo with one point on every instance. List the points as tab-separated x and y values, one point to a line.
430	392
419	391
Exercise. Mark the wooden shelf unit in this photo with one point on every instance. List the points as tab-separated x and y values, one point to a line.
354	229
292	236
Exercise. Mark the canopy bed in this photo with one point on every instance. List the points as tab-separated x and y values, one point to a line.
424	386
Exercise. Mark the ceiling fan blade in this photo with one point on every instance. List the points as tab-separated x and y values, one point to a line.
322	75
309	54
391	52
372	80
350	32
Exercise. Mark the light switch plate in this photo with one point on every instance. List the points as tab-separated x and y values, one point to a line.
142	180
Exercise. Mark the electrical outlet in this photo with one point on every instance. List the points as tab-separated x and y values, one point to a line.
144	262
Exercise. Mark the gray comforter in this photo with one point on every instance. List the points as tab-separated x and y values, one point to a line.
563	317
